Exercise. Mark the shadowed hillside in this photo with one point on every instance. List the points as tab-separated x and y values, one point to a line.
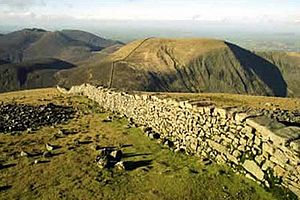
289	66
265	70
184	65
31	74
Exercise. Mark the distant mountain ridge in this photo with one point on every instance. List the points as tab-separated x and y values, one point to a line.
33	58
69	45
30	58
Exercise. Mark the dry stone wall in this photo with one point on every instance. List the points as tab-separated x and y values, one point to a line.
261	148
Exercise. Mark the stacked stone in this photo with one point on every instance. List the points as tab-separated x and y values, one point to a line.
20	117
257	146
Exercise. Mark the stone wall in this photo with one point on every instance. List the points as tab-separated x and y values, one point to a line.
261	148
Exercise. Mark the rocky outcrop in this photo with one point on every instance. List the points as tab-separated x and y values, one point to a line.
20	117
256	145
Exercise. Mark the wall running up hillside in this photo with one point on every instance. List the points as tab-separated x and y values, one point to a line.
262	149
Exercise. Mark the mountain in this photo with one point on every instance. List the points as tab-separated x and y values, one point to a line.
289	65
185	65
153	64
13	44
90	38
31	74
71	46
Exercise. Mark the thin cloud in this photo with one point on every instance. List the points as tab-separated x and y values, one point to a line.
21	4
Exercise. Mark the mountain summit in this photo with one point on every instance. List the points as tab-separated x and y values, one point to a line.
185	65
68	45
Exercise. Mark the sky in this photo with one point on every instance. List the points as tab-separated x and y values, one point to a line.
250	11
270	15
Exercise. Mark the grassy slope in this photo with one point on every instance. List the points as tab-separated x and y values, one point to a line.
57	45
153	171
236	100
152	53
186	65
87	70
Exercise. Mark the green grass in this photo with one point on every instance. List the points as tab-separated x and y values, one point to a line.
153	172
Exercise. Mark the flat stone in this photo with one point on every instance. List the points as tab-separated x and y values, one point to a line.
232	158
267	164
259	159
279	171
257	141
49	147
289	133
120	166
267	148
267	128
222	112
236	153
254	169
279	157
241	117
23	154
248	131
116	155
220	148
295	145
102	162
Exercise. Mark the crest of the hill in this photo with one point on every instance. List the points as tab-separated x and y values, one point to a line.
68	45
189	65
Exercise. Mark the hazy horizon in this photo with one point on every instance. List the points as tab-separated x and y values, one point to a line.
240	21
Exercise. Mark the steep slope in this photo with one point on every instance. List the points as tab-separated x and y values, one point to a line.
57	45
13	44
289	65
31	74
184	65
72	46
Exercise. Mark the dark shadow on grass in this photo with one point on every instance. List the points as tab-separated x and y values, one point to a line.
129	155
5	187
109	148
55	147
56	154
7	166
35	154
132	165
126	145
85	142
43	161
